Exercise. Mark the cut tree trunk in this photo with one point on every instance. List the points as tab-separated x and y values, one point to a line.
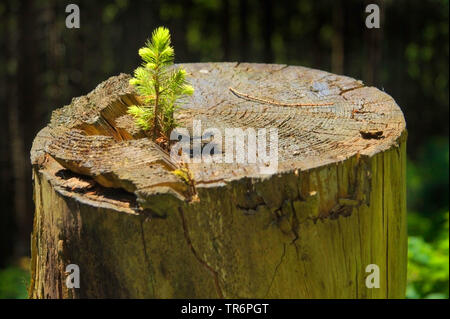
108	201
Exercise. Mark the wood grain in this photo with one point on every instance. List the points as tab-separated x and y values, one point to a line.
107	199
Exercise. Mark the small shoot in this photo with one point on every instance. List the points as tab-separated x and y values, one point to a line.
159	86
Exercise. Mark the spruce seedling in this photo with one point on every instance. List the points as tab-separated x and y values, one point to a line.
159	87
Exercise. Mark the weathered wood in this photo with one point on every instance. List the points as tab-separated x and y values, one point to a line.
107	199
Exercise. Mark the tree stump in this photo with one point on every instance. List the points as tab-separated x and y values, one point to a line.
107	199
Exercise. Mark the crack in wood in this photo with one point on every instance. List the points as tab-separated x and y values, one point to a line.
147	259
273	102
276	270
194	252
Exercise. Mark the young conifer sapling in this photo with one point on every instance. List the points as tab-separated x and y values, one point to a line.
159	86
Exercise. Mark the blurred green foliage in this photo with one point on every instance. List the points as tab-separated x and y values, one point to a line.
14	281
428	222
428	266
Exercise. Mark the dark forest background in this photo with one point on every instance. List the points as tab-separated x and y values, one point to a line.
43	65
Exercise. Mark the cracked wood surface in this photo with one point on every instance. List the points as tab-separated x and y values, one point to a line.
107	200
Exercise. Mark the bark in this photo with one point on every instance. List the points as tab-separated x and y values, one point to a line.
107	199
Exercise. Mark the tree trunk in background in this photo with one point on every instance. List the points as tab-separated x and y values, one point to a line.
267	30
21	119
7	222
21	180
225	27
374	49
243	30
337	45
27	119
107	198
